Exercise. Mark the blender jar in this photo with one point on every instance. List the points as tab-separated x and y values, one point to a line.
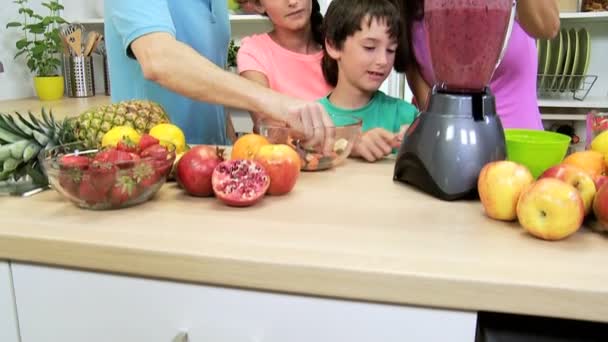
466	40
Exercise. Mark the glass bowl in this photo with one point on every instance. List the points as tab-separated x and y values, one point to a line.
101	179
312	157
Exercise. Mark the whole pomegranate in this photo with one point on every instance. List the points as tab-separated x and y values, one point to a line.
195	169
240	182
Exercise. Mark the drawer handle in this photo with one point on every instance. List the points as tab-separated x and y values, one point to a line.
181	337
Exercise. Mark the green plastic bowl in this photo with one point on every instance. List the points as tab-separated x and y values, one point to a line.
537	150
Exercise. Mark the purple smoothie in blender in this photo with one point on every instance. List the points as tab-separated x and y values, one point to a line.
465	40
448	144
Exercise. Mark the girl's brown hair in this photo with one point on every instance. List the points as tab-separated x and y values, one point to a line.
345	17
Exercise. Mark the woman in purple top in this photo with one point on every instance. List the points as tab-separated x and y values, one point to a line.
514	81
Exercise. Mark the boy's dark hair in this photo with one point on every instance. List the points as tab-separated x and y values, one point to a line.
345	17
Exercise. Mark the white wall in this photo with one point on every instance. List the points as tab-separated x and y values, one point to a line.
16	81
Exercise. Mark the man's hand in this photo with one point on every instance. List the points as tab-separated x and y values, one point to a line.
313	123
375	144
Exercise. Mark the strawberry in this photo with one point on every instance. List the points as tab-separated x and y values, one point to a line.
156	152
69	179
113	156
103	176
88	192
123	190
145	174
146	141
127	145
70	161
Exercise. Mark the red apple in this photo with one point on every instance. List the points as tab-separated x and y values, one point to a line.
576	177
600	207
499	185
282	164
551	209
599	181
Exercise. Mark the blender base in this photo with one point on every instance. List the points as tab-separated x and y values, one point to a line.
446	147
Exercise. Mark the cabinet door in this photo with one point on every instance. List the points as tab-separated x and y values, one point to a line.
9	331
64	305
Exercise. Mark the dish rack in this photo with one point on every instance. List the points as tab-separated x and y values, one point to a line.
578	85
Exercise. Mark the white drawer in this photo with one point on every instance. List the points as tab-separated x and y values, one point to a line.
74	306
8	319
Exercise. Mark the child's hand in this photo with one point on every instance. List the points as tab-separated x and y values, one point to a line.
375	144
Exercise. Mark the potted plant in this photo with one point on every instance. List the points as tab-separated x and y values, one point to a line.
41	45
233	49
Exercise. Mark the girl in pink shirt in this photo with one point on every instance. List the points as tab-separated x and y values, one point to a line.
288	58
513	82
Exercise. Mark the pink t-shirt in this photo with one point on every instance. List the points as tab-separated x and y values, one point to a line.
513	82
290	73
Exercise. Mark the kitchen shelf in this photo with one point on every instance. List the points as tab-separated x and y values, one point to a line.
85	20
238	18
586	16
590	102
564	117
247	18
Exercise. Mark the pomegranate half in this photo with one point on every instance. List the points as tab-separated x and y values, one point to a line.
240	182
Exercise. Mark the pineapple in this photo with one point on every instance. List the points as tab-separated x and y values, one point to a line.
91	125
21	139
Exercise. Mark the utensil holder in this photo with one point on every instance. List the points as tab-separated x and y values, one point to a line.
106	76
79	76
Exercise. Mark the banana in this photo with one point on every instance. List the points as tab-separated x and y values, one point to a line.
18	148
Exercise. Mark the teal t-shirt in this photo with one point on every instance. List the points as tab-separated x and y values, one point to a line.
202	24
382	111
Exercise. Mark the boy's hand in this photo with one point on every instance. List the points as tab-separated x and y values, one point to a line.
375	144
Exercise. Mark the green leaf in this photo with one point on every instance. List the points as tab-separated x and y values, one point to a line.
22	43
13	24
26	11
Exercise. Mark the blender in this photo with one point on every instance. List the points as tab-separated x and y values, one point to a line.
445	148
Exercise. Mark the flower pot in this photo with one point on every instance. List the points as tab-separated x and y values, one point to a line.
49	88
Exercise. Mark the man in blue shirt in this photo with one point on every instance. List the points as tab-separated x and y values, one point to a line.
173	52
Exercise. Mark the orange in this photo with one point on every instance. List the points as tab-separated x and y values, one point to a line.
247	146
590	161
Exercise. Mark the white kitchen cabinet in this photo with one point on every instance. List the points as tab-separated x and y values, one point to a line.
9	331
73	306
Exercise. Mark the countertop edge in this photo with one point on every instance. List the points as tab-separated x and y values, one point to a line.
431	292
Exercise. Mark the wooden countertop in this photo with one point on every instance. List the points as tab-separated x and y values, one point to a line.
347	233
66	106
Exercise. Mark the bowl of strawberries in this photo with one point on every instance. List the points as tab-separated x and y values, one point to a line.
114	177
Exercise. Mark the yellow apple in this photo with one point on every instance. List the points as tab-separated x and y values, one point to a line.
499	185
576	177
551	209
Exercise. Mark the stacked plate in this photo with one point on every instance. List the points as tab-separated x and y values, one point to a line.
563	61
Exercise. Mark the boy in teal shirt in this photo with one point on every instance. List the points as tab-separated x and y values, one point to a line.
361	40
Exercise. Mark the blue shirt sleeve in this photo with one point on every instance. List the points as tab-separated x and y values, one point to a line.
135	18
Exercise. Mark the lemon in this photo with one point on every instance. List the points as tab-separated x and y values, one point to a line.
600	143
170	133
116	134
